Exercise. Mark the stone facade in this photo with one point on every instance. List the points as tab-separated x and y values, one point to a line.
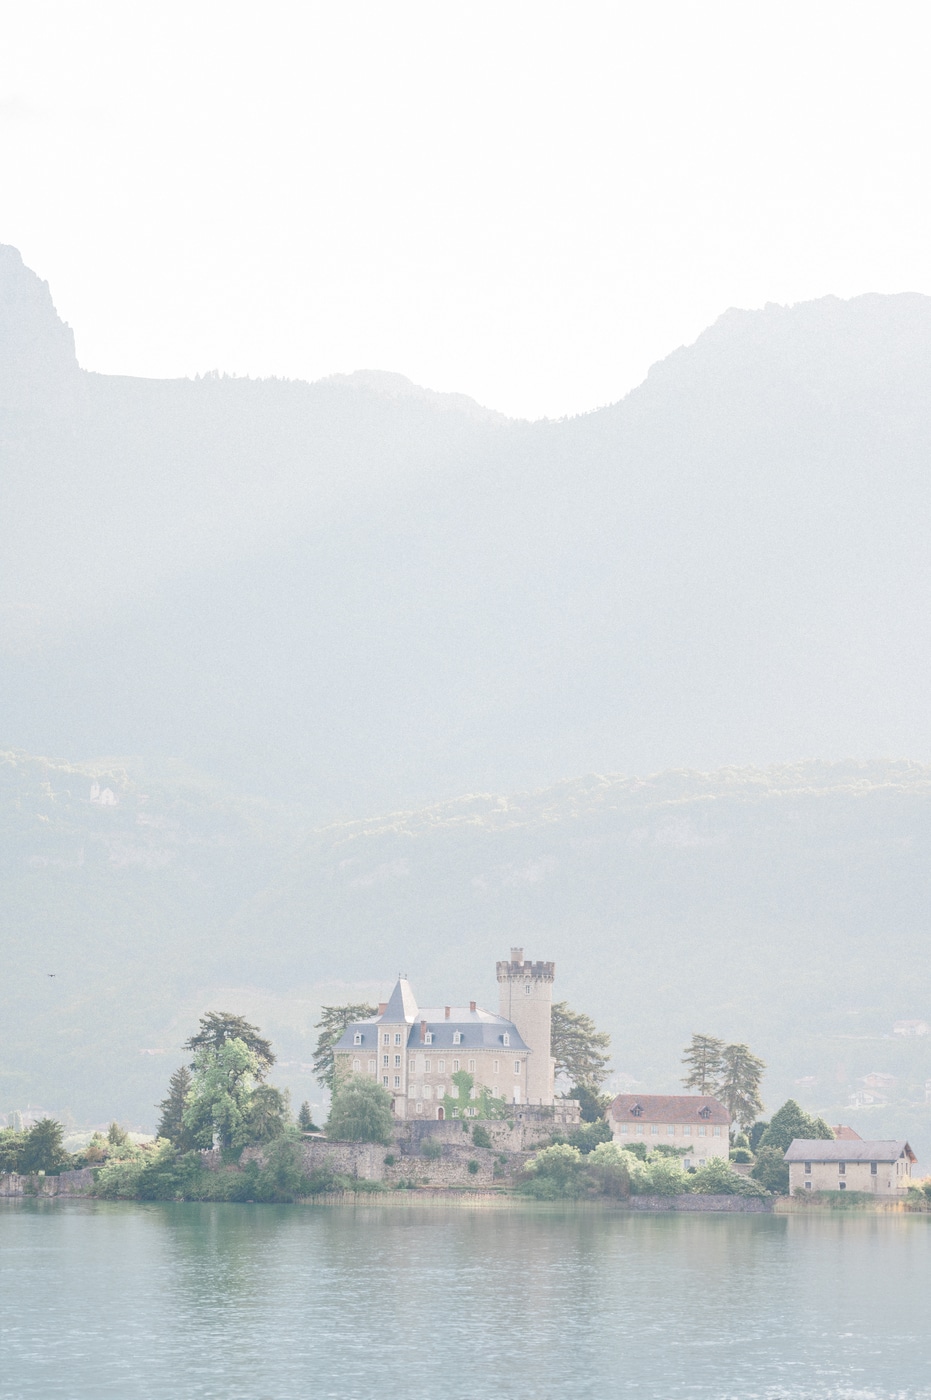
414	1052
879	1168
76	1183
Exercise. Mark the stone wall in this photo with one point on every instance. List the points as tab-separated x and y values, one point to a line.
737	1205
76	1183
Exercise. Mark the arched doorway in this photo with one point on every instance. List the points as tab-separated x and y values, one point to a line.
440	1114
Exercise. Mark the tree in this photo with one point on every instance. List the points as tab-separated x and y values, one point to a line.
793	1122
580	1051
360	1111
267	1114
591	1105
43	1148
11	1146
738	1086
219	1027
171	1123
771	1171
703	1057
333	1021
116	1135
305	1119
217	1107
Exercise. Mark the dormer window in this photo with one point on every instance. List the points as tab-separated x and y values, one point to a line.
704	1112
428	1038
457	1037
357	1038
637	1110
505	1039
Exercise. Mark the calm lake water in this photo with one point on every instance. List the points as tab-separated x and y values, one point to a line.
432	1303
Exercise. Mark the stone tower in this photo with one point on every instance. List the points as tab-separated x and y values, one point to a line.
526	998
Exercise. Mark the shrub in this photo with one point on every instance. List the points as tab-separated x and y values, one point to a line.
716	1178
390	1159
741	1154
481	1136
660	1175
473	1167
360	1112
587	1137
555	1172
609	1167
432	1149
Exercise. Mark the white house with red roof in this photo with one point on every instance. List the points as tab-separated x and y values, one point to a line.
696	1122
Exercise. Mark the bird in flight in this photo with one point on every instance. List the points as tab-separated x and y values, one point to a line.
51	974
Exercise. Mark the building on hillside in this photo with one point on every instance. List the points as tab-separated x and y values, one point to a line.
911	1028
882	1168
696	1122
414	1051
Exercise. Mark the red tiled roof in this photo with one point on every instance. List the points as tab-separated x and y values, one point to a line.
668	1108
840	1130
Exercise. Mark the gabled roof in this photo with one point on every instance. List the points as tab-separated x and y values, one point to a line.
402	1004
846	1150
668	1108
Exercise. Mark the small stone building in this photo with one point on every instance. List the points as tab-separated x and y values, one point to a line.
696	1122
881	1168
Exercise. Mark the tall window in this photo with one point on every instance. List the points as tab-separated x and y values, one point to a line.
528	988
455	1066
397	1037
441	1066
494	1066
671	1130
386	1039
384	1060
426	1066
397	1061
356	1066
505	1039
372	1066
471	1066
397	1081
384	1080
654	1128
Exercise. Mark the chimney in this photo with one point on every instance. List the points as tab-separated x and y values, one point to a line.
447	1013
382	1008
471	1005
423	1032
517	955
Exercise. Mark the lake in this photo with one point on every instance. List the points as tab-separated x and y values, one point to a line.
233	1302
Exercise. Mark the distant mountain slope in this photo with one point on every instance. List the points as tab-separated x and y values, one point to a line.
788	907
357	593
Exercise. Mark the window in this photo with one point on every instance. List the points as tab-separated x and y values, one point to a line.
517	1066
397	1037
637	1110
704	1112
471	1066
717	1130
426	1066
702	1130
357	1038
420	1108
428	1038
517	1093
842	1168
687	1130
471	1112
397	1081
384	1060
495	1066
624	1129
386	1039
639	1130
455	1066
843	1186
654	1128
397	1061
373	1065
441	1066
411	1067
495	1092
427	1092
807	1185
506	1039
528	988
356	1066
874	1168
808	1169
671	1131
384	1080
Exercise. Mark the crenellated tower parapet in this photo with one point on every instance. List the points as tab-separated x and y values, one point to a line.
526	998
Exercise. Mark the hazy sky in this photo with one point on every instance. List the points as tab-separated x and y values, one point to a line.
526	202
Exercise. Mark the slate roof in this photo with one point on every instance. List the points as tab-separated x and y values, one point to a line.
479	1029
846	1150
668	1108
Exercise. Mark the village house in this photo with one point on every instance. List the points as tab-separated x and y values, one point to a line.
696	1122
881	1168
414	1051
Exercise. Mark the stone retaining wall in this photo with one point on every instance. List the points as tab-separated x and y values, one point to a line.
76	1183
736	1205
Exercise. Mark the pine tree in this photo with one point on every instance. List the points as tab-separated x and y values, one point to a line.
738	1086
703	1056
171	1124
791	1122
580	1051
305	1119
218	1027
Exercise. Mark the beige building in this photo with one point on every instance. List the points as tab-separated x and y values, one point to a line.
414	1051
881	1168
696	1122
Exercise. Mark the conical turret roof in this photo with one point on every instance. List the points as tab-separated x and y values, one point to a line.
402	1004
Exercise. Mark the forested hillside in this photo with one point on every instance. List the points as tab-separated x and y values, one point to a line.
785	906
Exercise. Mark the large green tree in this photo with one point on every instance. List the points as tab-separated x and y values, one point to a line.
219	1027
791	1122
217	1107
360	1111
171	1123
738	1085
43	1148
579	1049
333	1021
771	1170
703	1058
